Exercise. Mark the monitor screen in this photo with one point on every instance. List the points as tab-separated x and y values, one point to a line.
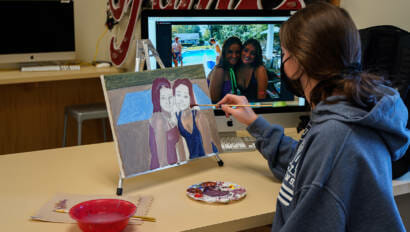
36	30
195	28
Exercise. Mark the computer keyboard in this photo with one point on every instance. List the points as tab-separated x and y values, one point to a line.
232	142
50	68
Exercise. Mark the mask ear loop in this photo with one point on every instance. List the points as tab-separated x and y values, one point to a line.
302	71
300	76
283	62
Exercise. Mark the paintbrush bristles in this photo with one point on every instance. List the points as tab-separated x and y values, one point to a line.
193	105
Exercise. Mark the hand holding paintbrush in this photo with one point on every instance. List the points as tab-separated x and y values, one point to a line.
239	107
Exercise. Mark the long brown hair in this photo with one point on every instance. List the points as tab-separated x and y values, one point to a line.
188	84
157	84
324	40
223	62
258	52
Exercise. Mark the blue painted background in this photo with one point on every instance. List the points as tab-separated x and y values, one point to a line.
137	106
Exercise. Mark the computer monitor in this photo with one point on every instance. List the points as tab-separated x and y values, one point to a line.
194	28
36	31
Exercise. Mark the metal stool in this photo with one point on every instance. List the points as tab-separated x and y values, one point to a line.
82	113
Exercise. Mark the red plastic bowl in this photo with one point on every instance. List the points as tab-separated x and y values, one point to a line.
103	215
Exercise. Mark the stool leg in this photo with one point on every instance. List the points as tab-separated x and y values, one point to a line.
104	130
80	123
65	129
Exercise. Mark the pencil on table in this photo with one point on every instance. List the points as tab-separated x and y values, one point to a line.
143	218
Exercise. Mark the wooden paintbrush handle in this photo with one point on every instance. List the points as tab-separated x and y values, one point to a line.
219	106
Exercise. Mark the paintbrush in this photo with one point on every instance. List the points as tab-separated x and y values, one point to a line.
219	105
143	218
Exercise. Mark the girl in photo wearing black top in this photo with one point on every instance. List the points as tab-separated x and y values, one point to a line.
252	77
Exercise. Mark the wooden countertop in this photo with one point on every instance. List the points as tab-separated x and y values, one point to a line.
30	179
401	185
16	76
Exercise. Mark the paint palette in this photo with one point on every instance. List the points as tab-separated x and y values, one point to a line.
216	192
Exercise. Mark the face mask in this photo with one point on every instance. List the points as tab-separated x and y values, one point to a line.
292	86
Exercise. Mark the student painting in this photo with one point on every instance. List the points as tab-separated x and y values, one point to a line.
163	132
177	52
338	176
252	77
222	76
191	124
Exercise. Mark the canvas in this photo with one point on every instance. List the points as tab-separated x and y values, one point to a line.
154	126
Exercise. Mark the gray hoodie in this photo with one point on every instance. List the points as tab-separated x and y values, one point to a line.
338	176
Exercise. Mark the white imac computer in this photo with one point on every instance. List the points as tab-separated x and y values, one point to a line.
36	31
195	28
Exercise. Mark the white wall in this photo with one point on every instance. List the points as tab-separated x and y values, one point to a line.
89	18
367	13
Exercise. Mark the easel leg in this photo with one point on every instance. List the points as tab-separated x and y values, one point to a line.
119	188
220	161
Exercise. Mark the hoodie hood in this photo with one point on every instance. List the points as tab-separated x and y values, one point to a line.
388	118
